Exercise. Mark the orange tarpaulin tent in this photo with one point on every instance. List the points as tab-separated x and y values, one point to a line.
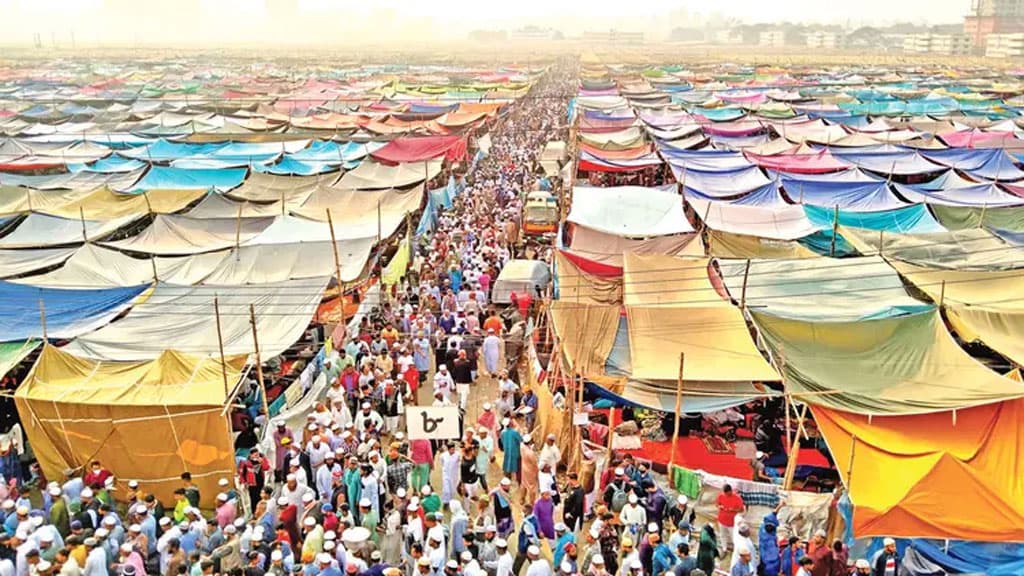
954	474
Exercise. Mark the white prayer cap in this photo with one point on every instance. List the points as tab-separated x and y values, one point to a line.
309	522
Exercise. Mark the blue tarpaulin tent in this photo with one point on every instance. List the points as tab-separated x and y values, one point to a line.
68	313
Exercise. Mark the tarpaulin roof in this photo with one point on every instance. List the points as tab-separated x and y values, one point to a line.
897	163
980	304
18	262
618	140
12	353
368	211
95	266
216	205
270	263
970	457
820	289
963	218
420	149
729	245
904	365
848	196
146	420
799	162
605	250
673	308
973	249
185	315
41	230
169	178
913	219
704	160
67	313
261	187
722	184
171	235
779	223
373	175
632	211
577	282
591	162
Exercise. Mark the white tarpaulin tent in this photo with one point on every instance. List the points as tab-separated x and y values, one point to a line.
95	267
41	230
17	262
268	263
216	205
186	316
520	276
180	235
632	211
775	222
374	175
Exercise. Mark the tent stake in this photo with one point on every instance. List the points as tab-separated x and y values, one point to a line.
220	344
259	365
679	407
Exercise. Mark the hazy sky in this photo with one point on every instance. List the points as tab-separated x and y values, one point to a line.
250	20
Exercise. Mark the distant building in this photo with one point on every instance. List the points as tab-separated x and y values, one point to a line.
993	17
947	44
1005	45
727	37
825	40
534	33
613	37
772	38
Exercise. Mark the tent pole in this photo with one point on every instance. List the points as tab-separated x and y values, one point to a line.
220	344
942	294
611	430
337	267
259	364
282	203
835	230
981	220
81	215
28	195
42	316
679	407
794	450
379	226
881	243
849	466
743	294
238	228
152	263
149	207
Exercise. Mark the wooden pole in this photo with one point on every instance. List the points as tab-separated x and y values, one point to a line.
743	293
81	215
835	230
152	264
611	430
259	364
789	405
794	450
942	294
149	207
337	267
42	316
881	243
849	466
238	227
220	344
679	407
379	224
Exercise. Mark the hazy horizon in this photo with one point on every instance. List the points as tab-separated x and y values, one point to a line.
199	22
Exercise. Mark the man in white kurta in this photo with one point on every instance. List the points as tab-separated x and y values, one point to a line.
492	352
450	460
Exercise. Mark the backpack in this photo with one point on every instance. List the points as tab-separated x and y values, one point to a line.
525	539
619	498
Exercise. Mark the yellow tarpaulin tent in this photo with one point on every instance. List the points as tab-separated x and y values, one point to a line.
145	421
674	308
950	475
980	305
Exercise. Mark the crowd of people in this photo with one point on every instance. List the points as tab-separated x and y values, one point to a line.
347	492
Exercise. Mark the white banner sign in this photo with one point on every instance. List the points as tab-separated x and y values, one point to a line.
432	422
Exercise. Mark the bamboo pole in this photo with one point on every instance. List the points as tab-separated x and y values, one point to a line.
81	215
942	294
220	344
379	224
849	466
337	267
259	364
835	230
794	450
679	407
42	317
743	293
149	207
238	227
